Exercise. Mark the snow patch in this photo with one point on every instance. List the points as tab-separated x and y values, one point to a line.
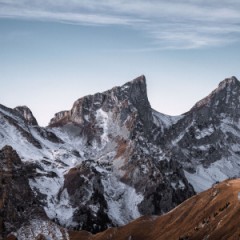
228	125
102	119
178	185
203	147
122	201
57	203
218	171
204	132
180	136
165	120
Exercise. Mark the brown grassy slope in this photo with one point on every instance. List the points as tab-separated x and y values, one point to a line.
213	214
83	235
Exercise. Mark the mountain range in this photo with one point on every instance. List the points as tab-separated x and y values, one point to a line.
112	159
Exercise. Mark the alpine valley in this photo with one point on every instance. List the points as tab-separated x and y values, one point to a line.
112	159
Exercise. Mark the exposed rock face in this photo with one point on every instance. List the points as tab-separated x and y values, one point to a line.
60	118
223	99
91	213
19	127
116	99
27	115
18	204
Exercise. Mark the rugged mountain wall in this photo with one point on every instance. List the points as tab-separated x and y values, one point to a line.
206	139
118	130
27	115
111	158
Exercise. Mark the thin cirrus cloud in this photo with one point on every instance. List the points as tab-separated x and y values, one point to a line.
177	24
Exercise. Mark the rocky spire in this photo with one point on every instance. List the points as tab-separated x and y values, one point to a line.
138	96
133	93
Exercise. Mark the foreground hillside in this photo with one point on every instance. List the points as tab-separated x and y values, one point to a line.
213	214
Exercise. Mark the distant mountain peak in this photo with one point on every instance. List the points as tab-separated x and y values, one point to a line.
134	92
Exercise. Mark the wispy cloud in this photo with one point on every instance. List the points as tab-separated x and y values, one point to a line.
169	24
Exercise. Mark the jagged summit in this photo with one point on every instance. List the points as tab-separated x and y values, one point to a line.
22	112
133	92
27	114
139	80
225	95
232	81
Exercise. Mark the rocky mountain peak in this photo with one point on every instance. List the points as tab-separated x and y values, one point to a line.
229	82
26	113
141	80
224	96
132	94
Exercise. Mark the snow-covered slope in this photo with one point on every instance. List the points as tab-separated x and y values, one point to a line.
207	139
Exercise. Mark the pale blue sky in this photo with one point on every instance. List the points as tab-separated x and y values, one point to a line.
54	52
